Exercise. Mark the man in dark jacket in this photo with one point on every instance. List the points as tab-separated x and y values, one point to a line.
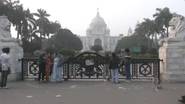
127	63
114	65
41	67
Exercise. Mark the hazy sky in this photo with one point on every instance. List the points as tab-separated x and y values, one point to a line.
119	15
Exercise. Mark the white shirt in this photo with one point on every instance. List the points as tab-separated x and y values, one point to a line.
5	61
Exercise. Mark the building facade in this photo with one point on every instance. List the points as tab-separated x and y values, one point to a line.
99	34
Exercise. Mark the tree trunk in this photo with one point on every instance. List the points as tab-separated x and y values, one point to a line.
17	28
17	35
167	31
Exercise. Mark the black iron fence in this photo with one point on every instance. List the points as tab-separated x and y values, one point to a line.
29	68
90	65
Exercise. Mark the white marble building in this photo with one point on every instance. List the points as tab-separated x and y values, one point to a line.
99	34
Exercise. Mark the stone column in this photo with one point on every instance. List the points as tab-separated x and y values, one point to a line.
173	65
16	51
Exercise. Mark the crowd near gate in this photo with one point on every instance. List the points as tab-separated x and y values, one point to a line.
91	65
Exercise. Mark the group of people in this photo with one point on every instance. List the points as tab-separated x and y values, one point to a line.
4	66
116	62
50	67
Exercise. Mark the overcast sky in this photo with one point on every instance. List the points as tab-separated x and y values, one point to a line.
119	15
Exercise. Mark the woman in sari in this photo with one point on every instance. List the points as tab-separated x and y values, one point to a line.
57	68
48	66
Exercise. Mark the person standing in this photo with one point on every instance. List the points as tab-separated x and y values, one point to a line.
127	63
41	67
60	68
114	66
56	76
48	65
5	62
106	72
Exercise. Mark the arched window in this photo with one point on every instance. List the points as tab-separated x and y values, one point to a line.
98	42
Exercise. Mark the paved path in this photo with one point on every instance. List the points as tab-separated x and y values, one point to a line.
90	92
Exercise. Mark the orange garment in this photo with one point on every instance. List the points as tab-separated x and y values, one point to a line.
48	66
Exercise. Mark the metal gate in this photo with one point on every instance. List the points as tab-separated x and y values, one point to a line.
90	65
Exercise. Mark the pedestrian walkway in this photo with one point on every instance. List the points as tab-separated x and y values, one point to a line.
91	92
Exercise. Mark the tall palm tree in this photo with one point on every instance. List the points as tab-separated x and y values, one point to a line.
19	20
52	28
151	28
162	18
14	11
11	3
3	7
42	21
30	24
147	29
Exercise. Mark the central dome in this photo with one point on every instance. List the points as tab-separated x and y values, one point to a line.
98	21
98	26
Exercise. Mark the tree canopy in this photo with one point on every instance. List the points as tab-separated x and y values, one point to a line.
134	42
162	18
64	39
33	28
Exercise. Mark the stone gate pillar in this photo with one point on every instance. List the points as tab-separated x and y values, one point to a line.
172	51
16	51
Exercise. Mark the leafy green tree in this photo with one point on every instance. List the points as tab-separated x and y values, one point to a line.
30	47
67	52
64	39
52	28
134	41
42	21
20	18
3	7
21	23
147	29
27	27
146	32
14	11
162	18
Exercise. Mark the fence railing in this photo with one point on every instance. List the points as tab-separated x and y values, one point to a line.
93	66
29	68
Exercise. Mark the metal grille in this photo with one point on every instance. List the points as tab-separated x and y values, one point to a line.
90	65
